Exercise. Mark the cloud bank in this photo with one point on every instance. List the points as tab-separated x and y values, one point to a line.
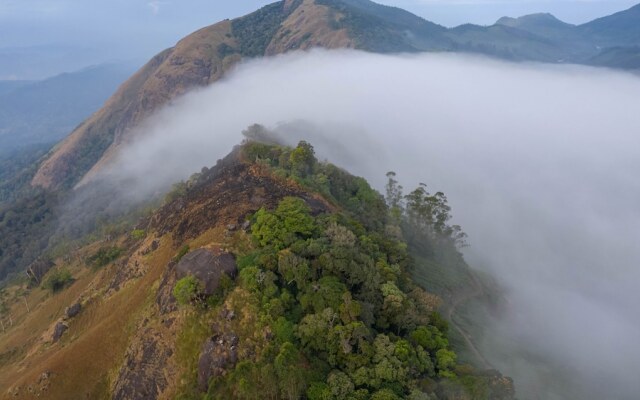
539	163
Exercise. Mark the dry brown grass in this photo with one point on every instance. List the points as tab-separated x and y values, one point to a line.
86	359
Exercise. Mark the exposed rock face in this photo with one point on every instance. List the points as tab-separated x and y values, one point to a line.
73	310
219	354
226	194
208	267
143	375
58	331
501	387
165	301
38	269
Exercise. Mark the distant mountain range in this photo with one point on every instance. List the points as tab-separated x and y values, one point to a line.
35	112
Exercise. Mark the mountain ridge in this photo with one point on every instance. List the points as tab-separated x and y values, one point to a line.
203	57
117	325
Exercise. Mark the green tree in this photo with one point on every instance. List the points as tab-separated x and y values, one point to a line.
57	280
322	294
187	290
394	197
430	338
291	379
293	268
313	329
340	385
290	221
393	306
303	159
319	391
385	394
445	360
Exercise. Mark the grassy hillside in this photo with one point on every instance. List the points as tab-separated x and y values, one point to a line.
324	305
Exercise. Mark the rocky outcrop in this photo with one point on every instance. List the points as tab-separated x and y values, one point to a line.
497	387
73	310
38	269
143	377
165	301
58	331
219	354
208	267
500	387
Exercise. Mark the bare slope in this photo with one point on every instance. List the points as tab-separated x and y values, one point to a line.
198	60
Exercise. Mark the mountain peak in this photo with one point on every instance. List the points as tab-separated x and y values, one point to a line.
205	56
538	19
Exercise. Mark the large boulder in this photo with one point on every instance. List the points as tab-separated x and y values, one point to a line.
73	310
208	267
58	330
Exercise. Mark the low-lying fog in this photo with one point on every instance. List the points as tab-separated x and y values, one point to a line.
540	163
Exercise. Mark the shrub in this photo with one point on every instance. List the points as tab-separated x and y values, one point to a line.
182	252
187	290
138	234
57	280
104	256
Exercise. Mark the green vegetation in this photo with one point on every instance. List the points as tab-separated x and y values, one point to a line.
17	168
104	256
57	279
138	234
26	222
187	290
360	201
194	331
371	30
340	305
336	291
255	31
181	253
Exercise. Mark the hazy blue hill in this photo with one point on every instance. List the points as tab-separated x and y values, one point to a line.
380	28
8	86
618	57
505	42
619	29
552	40
536	23
388	29
395	16
536	37
575	45
46	111
43	61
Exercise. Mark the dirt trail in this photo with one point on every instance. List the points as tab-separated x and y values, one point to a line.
461	299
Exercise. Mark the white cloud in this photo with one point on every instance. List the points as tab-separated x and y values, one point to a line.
539	163
155	6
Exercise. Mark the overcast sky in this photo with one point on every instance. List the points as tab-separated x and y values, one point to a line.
94	31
